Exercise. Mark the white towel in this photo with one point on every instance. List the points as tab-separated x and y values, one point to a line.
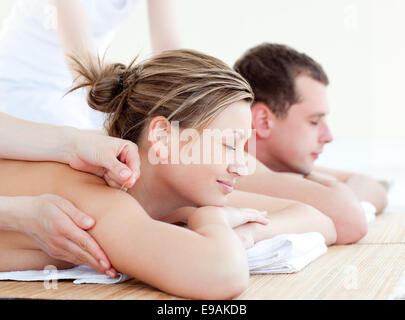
369	210
286	253
80	274
282	254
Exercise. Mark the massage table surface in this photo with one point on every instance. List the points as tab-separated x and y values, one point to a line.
369	269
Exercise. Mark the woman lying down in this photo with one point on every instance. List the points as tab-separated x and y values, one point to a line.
144	103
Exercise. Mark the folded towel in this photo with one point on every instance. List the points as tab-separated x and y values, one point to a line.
286	253
282	254
369	210
80	274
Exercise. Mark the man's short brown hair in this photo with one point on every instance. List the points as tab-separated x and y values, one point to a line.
271	70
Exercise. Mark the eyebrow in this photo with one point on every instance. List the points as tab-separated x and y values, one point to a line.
241	135
238	133
318	114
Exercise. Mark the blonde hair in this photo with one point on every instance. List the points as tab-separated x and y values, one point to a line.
181	85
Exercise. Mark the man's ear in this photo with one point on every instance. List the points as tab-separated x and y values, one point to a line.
262	120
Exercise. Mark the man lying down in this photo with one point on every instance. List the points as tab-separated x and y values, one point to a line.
289	117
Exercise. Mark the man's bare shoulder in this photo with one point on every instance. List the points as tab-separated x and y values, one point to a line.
243	199
260	175
286	185
339	175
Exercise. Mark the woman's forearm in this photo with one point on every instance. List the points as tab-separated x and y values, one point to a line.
207	262
25	140
209	223
220	260
285	216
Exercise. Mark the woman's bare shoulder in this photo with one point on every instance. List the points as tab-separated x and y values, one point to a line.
93	196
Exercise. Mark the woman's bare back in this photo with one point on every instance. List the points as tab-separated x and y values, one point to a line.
24	178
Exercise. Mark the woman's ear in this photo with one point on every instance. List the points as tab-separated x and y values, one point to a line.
158	136
262	120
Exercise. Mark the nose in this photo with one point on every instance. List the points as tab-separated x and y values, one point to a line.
326	135
238	170
239	166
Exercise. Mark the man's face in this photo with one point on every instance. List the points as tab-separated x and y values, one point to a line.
296	140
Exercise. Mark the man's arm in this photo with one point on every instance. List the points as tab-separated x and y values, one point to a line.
285	216
334	199
364	187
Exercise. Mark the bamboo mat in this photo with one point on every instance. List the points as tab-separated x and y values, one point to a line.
371	269
345	272
389	227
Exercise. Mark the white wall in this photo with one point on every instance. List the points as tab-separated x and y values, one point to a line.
359	43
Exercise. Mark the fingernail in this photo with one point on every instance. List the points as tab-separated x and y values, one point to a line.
133	180
103	264
125	174
87	222
110	274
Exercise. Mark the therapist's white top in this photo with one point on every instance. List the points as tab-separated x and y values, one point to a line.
33	72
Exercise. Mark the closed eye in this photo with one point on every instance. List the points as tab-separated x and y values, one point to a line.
230	148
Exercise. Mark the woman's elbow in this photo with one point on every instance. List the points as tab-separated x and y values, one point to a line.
234	286
230	279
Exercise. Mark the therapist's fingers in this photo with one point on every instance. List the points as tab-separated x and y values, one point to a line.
81	219
82	251
86	166
130	156
114	184
82	238
124	167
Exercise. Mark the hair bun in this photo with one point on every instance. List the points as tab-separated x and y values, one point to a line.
101	80
106	88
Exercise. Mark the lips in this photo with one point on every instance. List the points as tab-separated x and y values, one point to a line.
315	155
227	186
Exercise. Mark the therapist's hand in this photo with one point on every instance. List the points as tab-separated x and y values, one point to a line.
58	228
114	159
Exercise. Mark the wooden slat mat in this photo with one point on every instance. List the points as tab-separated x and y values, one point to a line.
129	290
345	272
370	269
389	227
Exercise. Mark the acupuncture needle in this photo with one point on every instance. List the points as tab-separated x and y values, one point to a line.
123	186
